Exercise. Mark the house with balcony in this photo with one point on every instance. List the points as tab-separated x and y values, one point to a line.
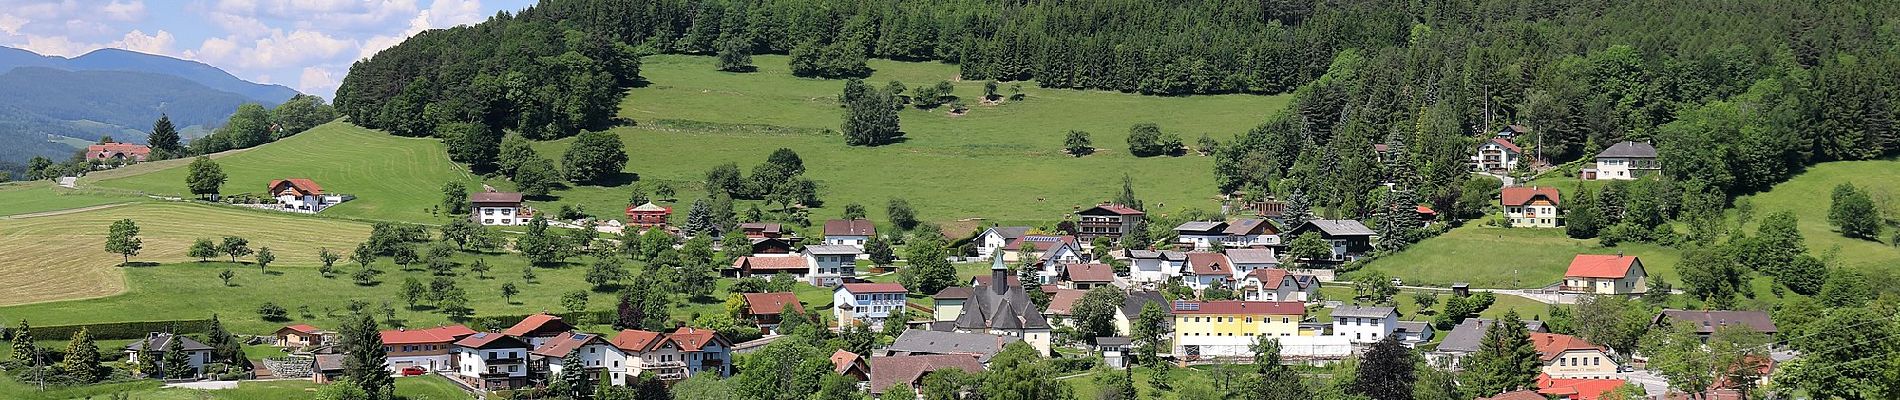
301	336
1497	155
1154	266
646	352
866	303
849	232
1274	284
491	361
499	209
706	351
302	195
1248	260
1365	324
595	354
1254	233
1205	270
537	329
1624	161
1613	274
1200	235
996	237
648	215
1534	206
1106	220
1347	238
429	348
831	264
1229	328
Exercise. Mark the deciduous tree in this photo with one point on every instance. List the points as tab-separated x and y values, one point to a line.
123	239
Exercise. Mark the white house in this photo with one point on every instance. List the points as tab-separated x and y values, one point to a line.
867	303
1200	235
1497	154
595	353
428	348
1625	161
499	208
1531	206
993	239
302	194
1605	274
1206	270
830	264
849	232
1274	284
1151	266
196	354
1251	233
643	352
491	361
706	351
1249	260
1365	324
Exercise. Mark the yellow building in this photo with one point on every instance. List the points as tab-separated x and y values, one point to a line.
1229	328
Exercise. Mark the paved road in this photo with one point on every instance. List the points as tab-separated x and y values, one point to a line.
205	385
1649	381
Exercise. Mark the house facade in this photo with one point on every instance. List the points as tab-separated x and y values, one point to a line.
1535	206
491	361
706	351
1626	161
1274	284
1615	274
849	232
1251	233
197	354
1106	220
118	152
648	215
1201	235
301	194
300	336
1205	270
866	303
1365	324
595	354
646	352
1154	266
1348	239
1087	276
1570	357
994	238
499	209
539	328
1496	155
429	348
1248	260
765	310
831	264
1229	328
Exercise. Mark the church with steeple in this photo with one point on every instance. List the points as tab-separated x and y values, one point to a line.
1000	307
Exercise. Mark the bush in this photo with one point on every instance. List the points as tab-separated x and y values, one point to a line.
272	312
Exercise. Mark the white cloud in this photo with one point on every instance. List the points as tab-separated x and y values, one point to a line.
316	80
128	11
11	24
57	45
136	40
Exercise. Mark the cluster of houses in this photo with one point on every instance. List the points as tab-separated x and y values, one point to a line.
524	355
1622	161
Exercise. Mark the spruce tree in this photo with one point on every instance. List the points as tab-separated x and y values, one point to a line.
147	364
82	358
364	357
699	219
1582	219
164	138
224	346
23	347
1298	210
177	363
1506	359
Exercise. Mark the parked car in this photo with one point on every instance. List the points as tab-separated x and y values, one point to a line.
413	371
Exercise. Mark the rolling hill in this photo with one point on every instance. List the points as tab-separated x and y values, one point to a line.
132	61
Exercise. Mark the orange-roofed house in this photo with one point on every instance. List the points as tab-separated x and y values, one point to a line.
1205	270
646	351
1517	395
302	194
850	365
648	215
1576	389
1571	357
428	348
1534	206
120	152
764	308
595	354
706	350
1605	274
300	336
491	361
538	328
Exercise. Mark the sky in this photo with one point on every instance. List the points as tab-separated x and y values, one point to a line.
307	45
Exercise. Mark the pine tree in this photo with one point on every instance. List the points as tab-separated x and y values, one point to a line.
164	138
699	219
224	346
82	358
364	357
23	347
571	382
177	361
1298	210
147	364
1506	360
1582	219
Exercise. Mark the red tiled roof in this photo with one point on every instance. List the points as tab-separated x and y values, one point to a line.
1508	145
301	184
536	322
1114	208
440	334
770	263
1423	209
561	345
906	370
126	148
1272	278
302	328
1063	300
1518	196
1240	307
1577	389
637	340
849	227
1552	345
1517	395
862	288
692	339
495	197
1090	272
1610	266
771	303
1210	264
842	361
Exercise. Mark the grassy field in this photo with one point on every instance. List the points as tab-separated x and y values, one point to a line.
1001	162
1807	195
411	388
1493	257
63	256
393	178
42	196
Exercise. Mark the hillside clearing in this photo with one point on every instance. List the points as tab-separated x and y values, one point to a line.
63	256
1807	196
1493	257
41	196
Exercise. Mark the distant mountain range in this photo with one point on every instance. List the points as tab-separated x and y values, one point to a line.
111	92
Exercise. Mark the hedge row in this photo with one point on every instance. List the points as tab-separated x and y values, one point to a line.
499	322
119	330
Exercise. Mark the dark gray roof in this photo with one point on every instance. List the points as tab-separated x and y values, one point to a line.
1251	256
1629	150
1171	255
1010	232
329	362
1469	334
1135	253
1113	341
1134	301
1339	227
1008	308
1705	322
917	341
162	341
1412	326
1201	226
831	249
1364	312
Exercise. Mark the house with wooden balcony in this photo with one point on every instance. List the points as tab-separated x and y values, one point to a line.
1106	220
1605	274
1497	155
647	352
491	361
1534	206
866	303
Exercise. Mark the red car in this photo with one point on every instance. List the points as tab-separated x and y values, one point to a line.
413	371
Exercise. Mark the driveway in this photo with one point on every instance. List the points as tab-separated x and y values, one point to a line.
1649	381
205	385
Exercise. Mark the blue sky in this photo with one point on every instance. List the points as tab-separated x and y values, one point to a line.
307	45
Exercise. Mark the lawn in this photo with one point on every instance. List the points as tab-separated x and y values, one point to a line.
1408	309
43	196
1493	257
411	388
998	163
1807	195
393	178
63	256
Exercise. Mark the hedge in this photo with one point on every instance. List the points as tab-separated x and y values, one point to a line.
120	330
499	322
